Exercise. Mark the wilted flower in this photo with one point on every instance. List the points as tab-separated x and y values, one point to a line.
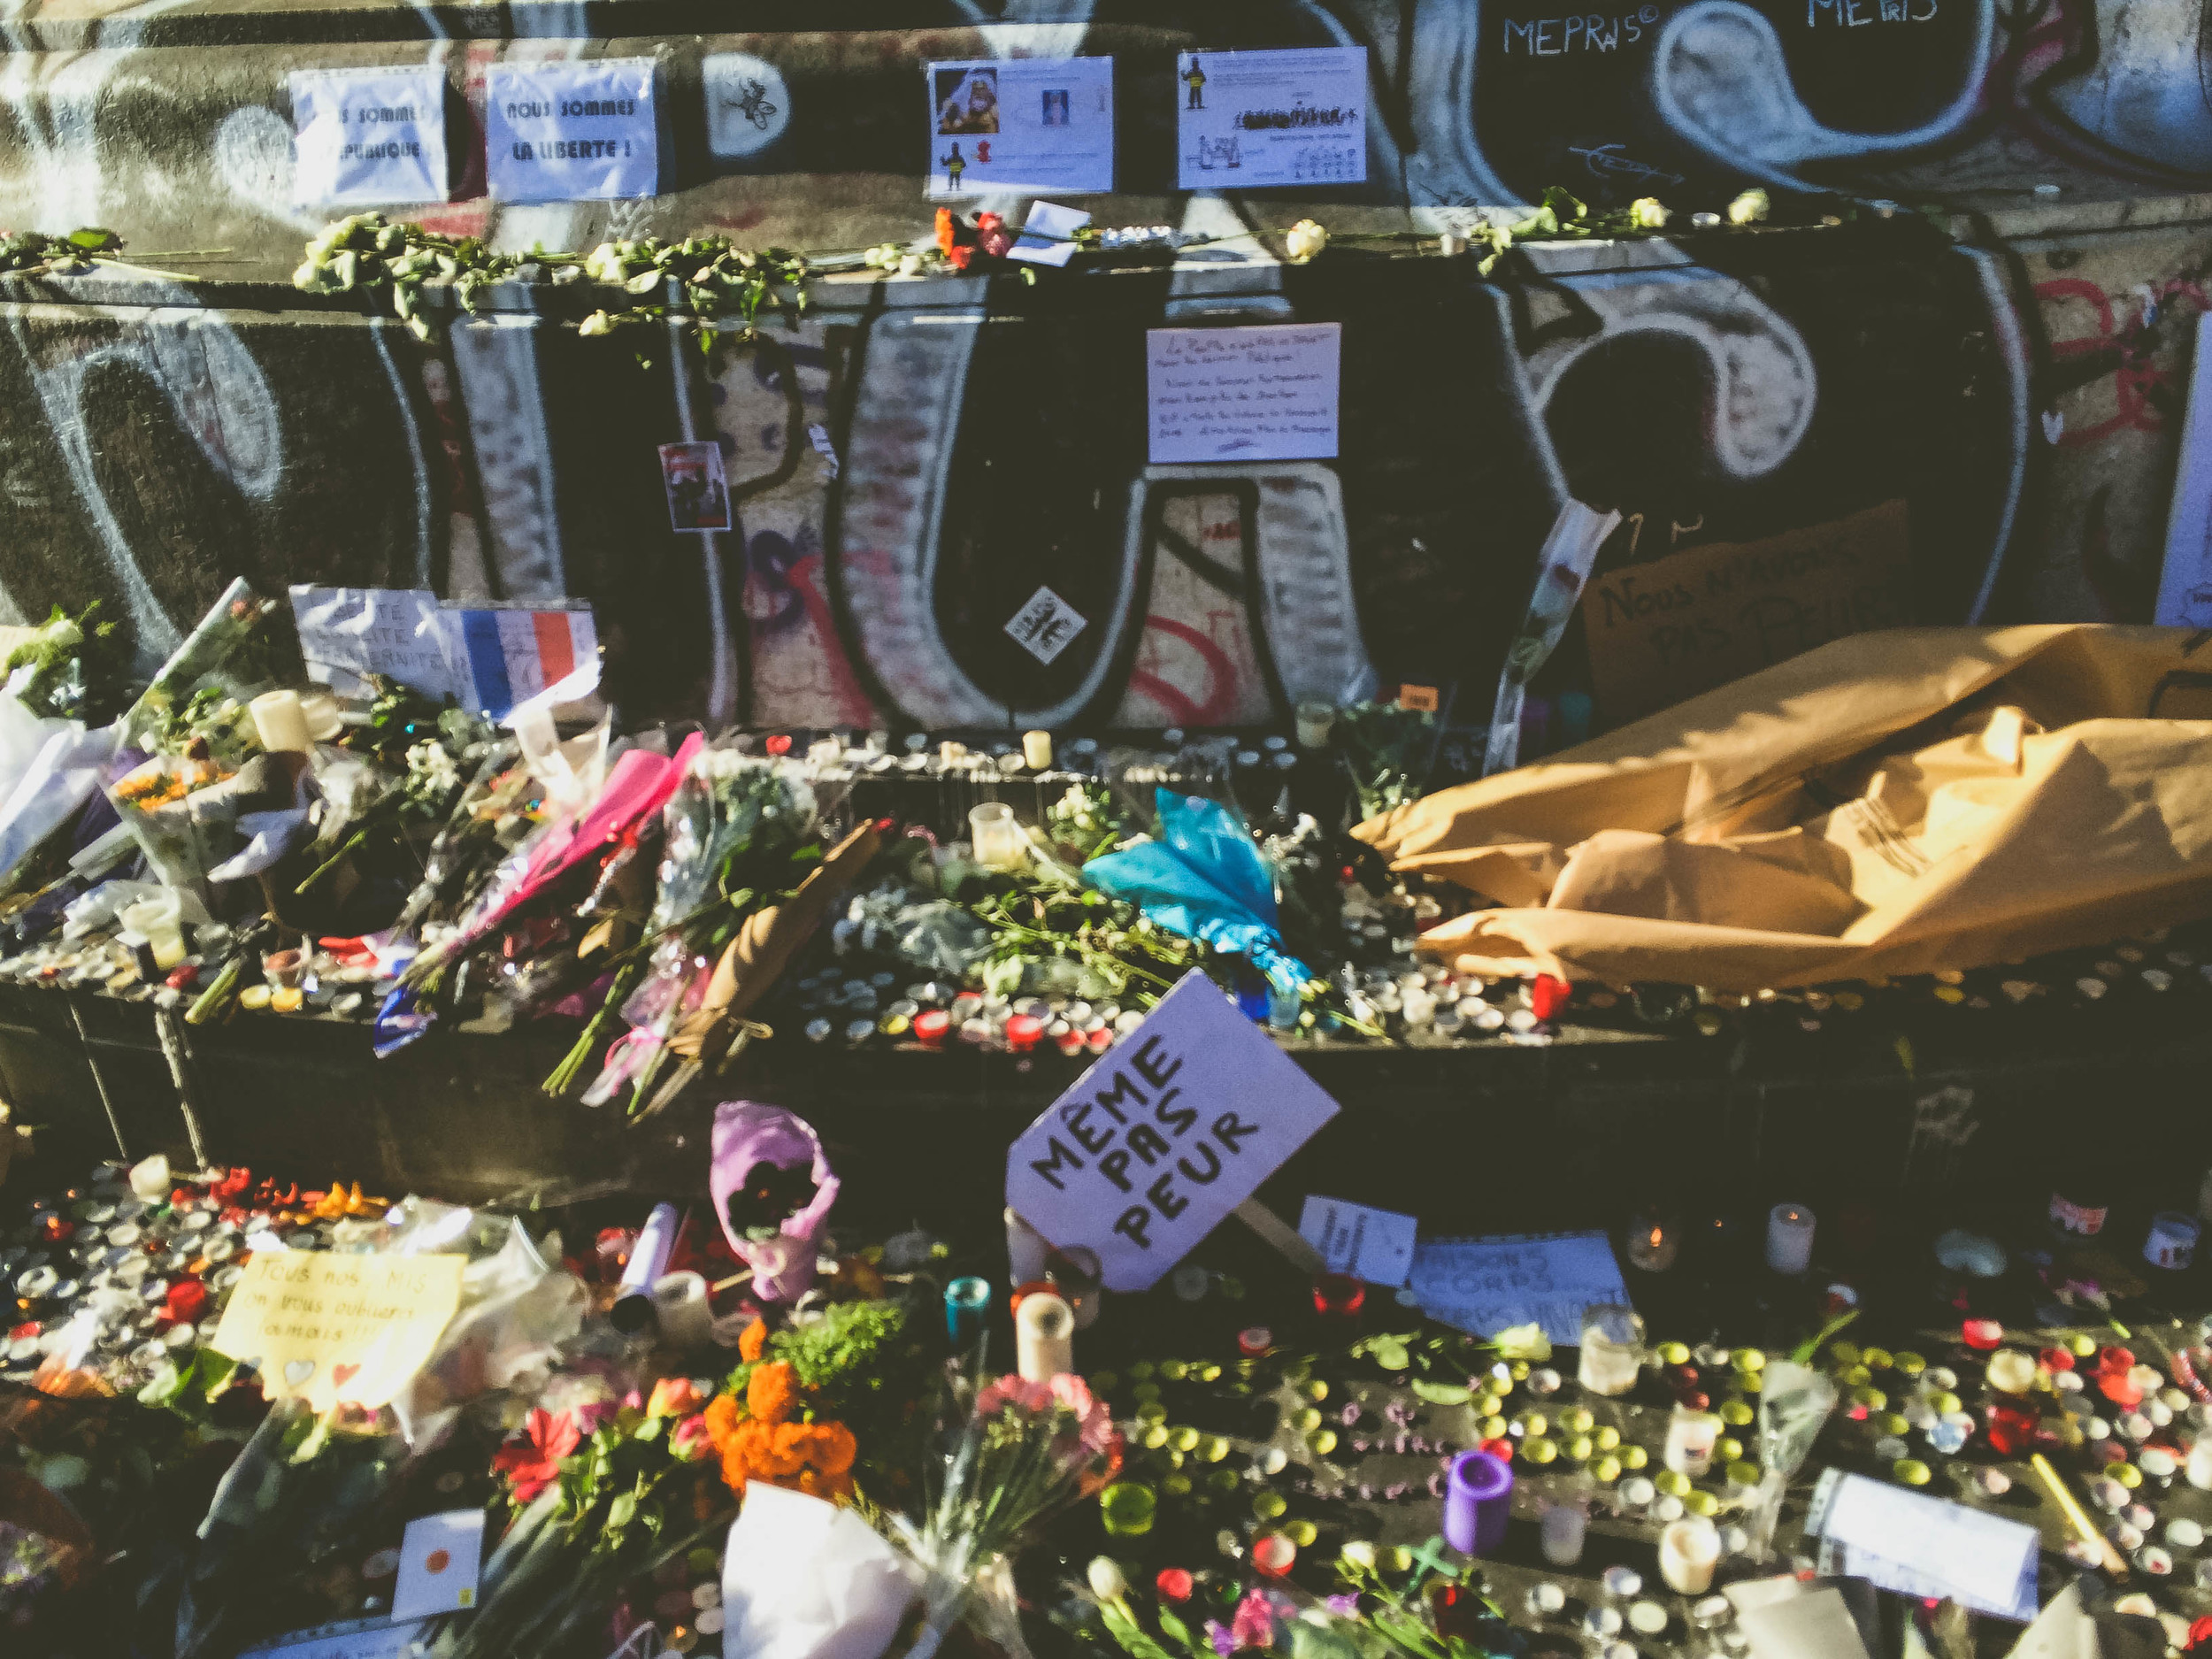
911	265
1303	240
597	323
1749	208
1647	213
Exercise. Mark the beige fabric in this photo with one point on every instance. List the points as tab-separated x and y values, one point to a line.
1893	802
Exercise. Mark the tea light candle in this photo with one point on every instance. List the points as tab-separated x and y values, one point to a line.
1691	1437
1565	1527
2172	1243
2011	1371
1044	1337
1653	1243
1790	1239
279	722
2158	1463
1688	1551
967	1303
1037	750
1478	1501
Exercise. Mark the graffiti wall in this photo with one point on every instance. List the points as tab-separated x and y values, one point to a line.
1988	421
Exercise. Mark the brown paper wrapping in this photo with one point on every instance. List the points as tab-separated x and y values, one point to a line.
752	962
1894	803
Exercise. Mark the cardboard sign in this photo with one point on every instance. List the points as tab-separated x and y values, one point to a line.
348	634
440	1560
1417	699
328	1328
1486	1286
1670	628
1258	394
572	132
1376	1245
1173	1129
1249	119
1021	126
368	135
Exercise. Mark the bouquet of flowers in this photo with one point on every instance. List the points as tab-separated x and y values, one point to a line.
417	750
500	805
1029	1448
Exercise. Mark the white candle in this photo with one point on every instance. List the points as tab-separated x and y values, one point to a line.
279	722
1565	1527
150	1181
1691	1436
1612	1350
1037	749
2199	1468
1044	1337
1790	1239
1688	1552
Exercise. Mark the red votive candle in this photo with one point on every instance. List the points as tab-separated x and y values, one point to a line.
930	1025
1981	1335
1255	1340
1338	1295
1022	1031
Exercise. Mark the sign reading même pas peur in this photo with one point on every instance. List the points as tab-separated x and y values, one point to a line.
1155	1145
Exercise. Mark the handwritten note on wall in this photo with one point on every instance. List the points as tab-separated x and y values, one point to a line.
1263	393
328	1327
1671	627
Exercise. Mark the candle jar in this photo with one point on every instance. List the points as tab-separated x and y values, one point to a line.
967	1304
1078	1280
1612	1348
1564	1528
160	918
1691	1438
1314	721
1339	1296
1689	1549
1790	1240
1125	1508
996	837
1477	1503
1654	1241
2172	1243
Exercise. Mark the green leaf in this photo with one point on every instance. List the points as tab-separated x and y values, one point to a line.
1438	1393
94	239
1390	1353
623	1509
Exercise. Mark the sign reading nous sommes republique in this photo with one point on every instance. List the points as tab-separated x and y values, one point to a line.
1173	1129
572	132
368	135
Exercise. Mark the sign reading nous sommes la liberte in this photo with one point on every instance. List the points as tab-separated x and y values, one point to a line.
1156	1144
570	131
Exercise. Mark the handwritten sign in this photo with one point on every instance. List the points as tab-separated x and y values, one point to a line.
330	1328
1175	1127
1260	394
1667	629
368	135
572	132
1921	1546
1376	1245
348	634
1249	120
1486	1286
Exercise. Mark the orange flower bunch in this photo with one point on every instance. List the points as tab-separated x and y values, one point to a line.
757	1438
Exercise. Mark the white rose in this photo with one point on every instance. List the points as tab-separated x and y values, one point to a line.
1107	1582
1304	240
1648	213
1749	208
1360	1554
911	265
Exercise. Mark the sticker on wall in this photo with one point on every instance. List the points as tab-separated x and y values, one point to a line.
572	132
1250	119
698	497
368	135
1021	126
1257	394
1046	625
748	104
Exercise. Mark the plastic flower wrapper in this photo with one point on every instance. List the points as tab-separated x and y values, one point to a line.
1028	1450
1794	1400
773	1188
1205	880
243	647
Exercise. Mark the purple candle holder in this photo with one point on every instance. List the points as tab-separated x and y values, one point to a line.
1478	1501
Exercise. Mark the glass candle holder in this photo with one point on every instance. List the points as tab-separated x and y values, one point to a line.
967	1305
1339	1296
1125	1508
1689	1549
996	837
1564	1528
1653	1241
1612	1348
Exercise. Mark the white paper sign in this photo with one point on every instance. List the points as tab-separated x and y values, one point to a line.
572	132
1048	235
1173	1129
1920	1546
439	1559
1250	119
1021	126
1376	1245
348	634
1046	625
368	135
1259	394
350	1639
1485	1286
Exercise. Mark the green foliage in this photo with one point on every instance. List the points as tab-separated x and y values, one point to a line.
32	253
78	668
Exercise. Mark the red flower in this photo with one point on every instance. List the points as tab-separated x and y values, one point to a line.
1174	1584
780	744
992	240
958	258
531	1468
2200	1633
985	223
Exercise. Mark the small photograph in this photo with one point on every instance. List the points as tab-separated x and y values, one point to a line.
967	99
698	498
1056	111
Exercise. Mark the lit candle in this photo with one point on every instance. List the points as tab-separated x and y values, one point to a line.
1790	1239
2198	1471
1612	1348
1691	1437
279	722
1044	1337
1688	1551
1037	749
1653	1242
1477	1503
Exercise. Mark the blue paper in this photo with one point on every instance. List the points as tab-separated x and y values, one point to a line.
1203	879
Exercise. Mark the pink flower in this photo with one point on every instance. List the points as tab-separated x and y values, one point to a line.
993	242
1034	1399
689	1439
1253	1626
673	1396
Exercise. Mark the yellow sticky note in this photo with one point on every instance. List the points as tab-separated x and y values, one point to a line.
332	1329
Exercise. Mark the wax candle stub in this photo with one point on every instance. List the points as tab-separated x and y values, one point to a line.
1689	1549
1790	1240
1037	750
1044	1337
279	722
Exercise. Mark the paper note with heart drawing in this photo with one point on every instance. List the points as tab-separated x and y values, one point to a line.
334	1329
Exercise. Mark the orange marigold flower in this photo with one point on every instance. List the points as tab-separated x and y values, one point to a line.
769	1395
722	1420
753	1343
944	229
835	1447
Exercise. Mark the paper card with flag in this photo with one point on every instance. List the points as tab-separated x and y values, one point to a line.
509	655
